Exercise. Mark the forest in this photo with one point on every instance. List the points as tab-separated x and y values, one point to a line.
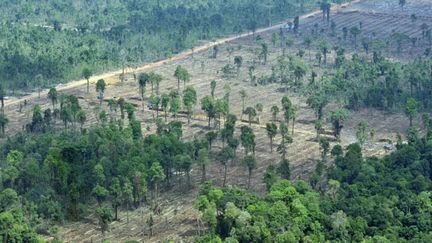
44	43
316	130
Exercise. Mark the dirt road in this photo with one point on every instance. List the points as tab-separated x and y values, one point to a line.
180	56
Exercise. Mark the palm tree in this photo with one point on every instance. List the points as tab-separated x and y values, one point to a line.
100	87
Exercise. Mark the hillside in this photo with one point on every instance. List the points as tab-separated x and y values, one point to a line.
328	95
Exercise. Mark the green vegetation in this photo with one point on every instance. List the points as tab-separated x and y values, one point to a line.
47	42
363	200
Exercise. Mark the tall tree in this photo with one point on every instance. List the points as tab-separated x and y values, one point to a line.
247	138
3	123
53	96
224	156
87	73
243	96
203	161
251	163
208	105
2	97
337	118
212	87
143	79
189	100
271	133
325	48
275	112
157	175
100	87
238	61
411	109
251	113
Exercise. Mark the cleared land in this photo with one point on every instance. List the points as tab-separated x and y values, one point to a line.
179	219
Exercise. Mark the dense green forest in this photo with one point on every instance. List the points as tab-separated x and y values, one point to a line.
363	200
47	42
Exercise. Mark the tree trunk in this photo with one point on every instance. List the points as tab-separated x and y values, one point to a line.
225	174
249	178
271	144
88	86
203	178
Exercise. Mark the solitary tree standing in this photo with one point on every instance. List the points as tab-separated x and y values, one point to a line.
53	96
100	87
271	133
87	73
251	163
411	109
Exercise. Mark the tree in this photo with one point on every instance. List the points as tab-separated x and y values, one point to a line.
81	118
337	118
270	177
105	218
208	105
355	31
174	103
317	103
116	195
275	112
121	103
238	61
203	161
155	79
150	223
243	96
143	79
247	138
3	123
100	87
325	47
286	139
264	52
165	99
87	73
127	196
251	163
325	147
211	136
189	100
156	175
411	111
271	133
212	87
182	75
224	156
284	169
53	96
318	128
361	132
251	113
307	42
287	107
